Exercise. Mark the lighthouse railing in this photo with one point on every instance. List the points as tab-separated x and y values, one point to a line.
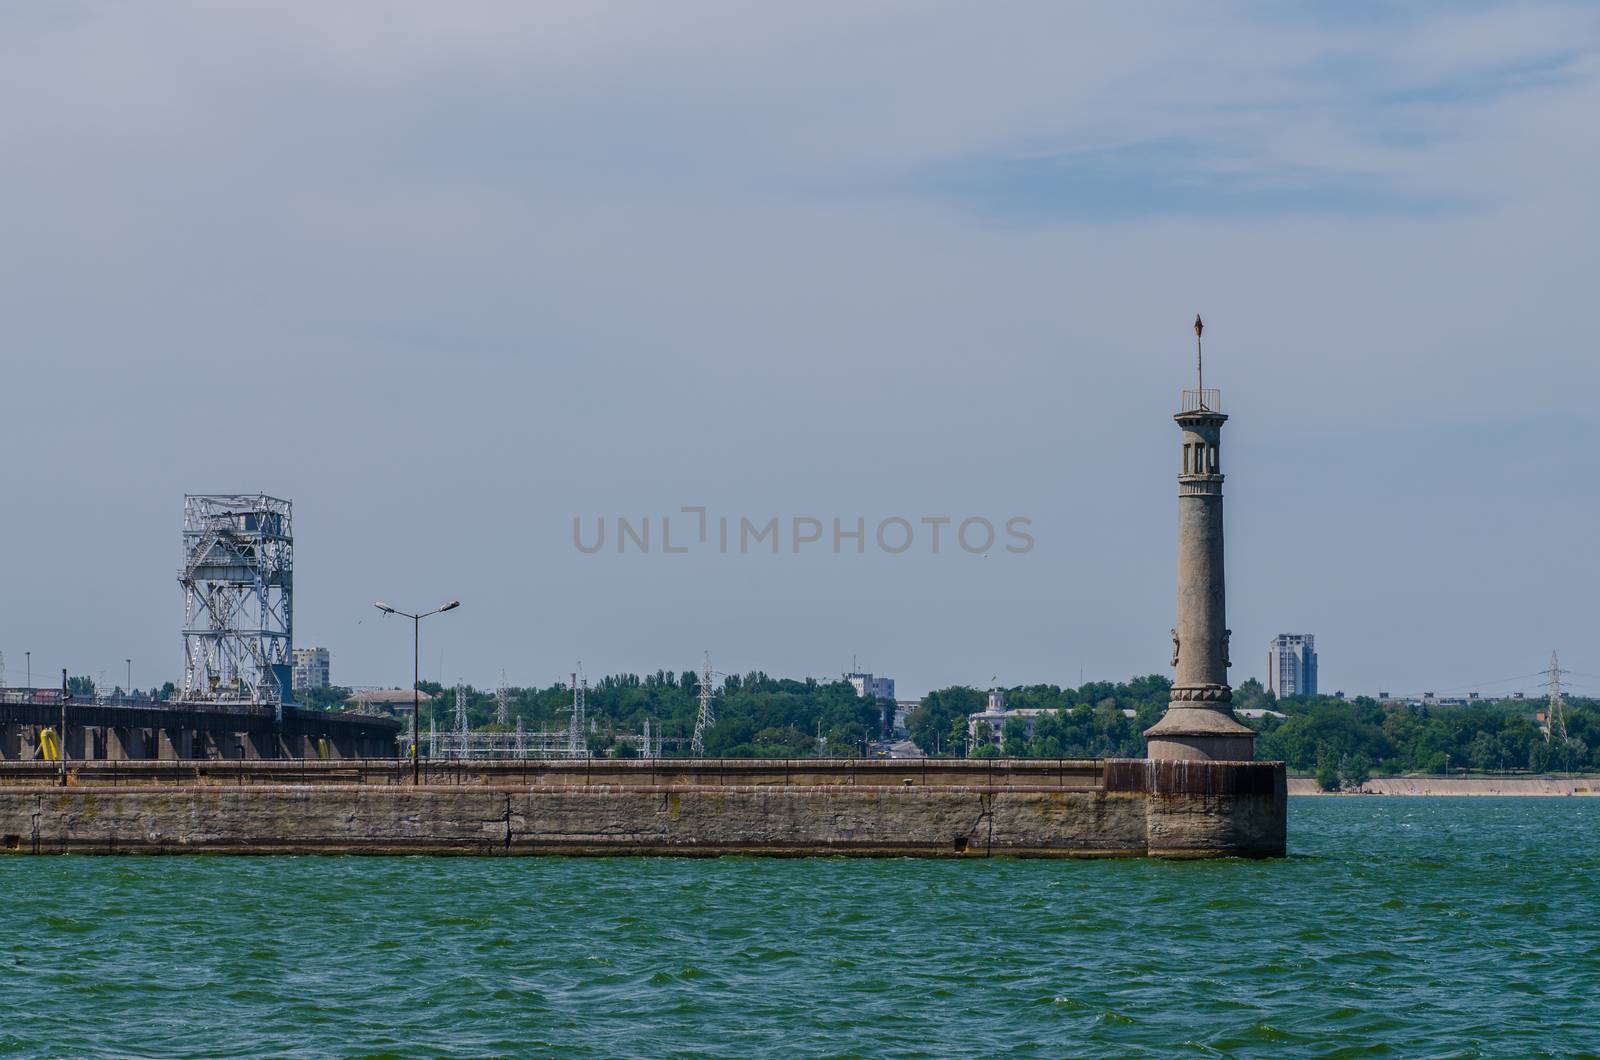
1207	400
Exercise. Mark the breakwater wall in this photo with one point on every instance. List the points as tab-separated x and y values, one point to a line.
901	807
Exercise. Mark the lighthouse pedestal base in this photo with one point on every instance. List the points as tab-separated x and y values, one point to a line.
1191	731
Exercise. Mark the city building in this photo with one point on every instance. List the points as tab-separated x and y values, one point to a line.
996	714
993	715
1292	665
870	687
387	701
902	716
311	668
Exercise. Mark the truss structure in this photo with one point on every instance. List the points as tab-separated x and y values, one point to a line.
460	741
707	715
551	743
461	731
577	739
569	742
1556	733
238	586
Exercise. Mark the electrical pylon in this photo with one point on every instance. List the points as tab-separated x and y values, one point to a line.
707	716
577	742
1557	732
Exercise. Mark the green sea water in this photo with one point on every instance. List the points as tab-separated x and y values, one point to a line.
1407	927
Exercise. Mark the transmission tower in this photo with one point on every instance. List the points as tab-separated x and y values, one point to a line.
433	736
1557	732
238	586
707	716
648	750
577	742
461	719
502	703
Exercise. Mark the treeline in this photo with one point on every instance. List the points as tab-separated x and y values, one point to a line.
85	689
1084	722
1346	741
1342	741
757	716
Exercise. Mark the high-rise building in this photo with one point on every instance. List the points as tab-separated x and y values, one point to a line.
1292	665
311	668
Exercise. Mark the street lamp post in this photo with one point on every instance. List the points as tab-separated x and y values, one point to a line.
416	673
66	695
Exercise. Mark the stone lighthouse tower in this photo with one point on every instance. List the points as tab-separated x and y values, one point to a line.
1199	722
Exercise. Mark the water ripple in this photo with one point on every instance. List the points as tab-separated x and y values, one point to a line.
1410	927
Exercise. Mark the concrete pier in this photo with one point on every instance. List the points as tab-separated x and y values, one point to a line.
903	807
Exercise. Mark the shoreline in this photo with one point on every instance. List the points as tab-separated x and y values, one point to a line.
1502	786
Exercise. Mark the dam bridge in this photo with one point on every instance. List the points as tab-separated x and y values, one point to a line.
175	731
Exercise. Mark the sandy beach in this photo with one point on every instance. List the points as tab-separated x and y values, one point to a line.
1582	785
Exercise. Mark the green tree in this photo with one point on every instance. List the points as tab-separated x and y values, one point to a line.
322	698
934	718
955	743
1014	738
1485	751
1327	773
1252	695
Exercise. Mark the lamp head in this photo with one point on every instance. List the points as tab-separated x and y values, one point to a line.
385	608
451	606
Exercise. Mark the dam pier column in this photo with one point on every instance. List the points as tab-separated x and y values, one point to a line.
1199	723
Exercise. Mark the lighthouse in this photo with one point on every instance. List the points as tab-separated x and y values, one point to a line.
1199	723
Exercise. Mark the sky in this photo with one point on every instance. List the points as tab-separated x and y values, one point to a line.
453	277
